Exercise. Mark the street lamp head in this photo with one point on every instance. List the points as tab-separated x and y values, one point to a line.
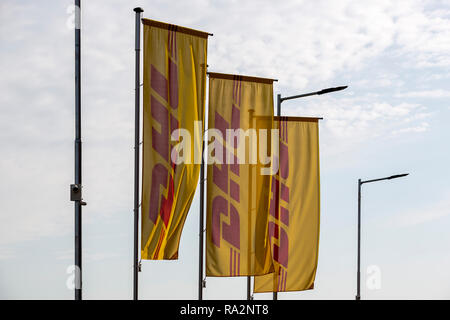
328	90
398	176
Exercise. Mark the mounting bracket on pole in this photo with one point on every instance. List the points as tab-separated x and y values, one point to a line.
75	193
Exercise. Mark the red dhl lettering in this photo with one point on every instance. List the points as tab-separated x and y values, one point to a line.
163	122
221	178
279	213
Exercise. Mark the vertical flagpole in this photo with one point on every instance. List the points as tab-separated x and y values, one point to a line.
249	208
136	153
201	225
275	294
279	105
249	290
76	188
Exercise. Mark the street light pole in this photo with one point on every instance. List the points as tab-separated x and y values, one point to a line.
358	275
320	92
358	272
280	99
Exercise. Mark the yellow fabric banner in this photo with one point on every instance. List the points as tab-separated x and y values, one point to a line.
294	208
173	98
238	194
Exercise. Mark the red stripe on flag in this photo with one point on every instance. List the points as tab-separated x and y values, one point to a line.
239	264
235	263
285	280
158	247
239	92
278	281
231	262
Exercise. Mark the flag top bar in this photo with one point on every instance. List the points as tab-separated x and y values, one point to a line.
240	77
287	118
284	118
173	27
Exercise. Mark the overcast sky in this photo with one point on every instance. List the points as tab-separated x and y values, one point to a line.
393	118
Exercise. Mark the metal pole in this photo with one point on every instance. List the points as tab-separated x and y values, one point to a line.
358	274
249	208
78	203
201	226
275	294
136	153
320	92
278	104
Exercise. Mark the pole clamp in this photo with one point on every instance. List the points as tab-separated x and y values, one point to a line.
75	193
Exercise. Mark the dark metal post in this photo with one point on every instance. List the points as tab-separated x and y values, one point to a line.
278	104
201	225
360	183
358	273
275	294
250	206
78	203
136	154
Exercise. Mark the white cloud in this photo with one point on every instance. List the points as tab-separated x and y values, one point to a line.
439	93
417	216
420	128
350	121
423	35
311	41
380	81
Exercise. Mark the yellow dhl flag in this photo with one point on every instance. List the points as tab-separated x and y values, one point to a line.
174	98
294	208
238	194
